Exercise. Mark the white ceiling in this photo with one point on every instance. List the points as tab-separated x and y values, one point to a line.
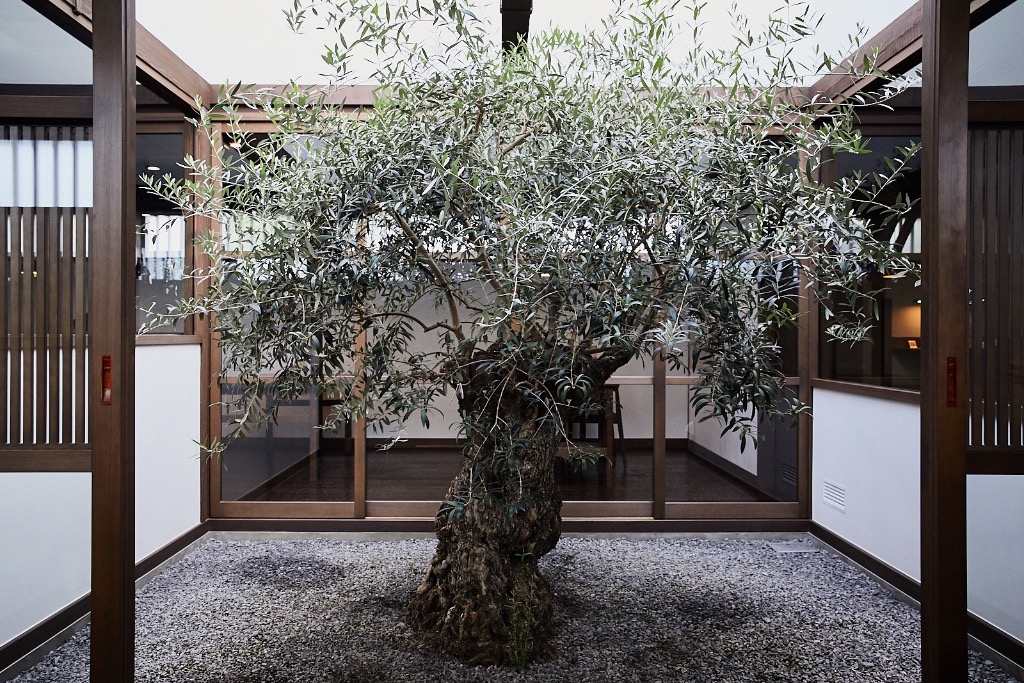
249	40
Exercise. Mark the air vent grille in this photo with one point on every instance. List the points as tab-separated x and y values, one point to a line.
834	495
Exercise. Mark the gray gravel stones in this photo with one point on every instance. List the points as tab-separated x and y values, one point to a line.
322	611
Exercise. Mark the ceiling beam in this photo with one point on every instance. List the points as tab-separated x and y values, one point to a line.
899	48
515	22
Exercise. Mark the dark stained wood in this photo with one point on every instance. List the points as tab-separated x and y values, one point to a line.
66	324
515	22
945	281
1002	297
659	404
52	284
589	509
112	335
28	330
728	510
287	510
5	217
39	459
977	266
990	332
899	46
359	439
807	368
168	340
1016	261
1005	460
167	74
66	108
14	325
80	318
869	390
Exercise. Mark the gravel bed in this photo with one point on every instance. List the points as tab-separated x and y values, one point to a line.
627	610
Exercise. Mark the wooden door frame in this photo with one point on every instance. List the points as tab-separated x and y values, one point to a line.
944	191
112	343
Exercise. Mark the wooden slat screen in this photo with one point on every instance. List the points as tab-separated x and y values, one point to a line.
997	289
44	272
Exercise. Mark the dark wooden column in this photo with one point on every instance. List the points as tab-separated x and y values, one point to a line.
658	408
945	317
112	343
515	22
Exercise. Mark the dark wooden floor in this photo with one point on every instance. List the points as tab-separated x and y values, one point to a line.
424	473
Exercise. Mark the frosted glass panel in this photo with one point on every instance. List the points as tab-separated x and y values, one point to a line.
6	173
83	173
45	173
65	173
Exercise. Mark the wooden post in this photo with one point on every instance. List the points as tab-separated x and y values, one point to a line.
112	343
659	404
945	316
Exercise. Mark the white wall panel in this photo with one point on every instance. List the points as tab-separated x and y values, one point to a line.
995	551
870	449
166	451
44	542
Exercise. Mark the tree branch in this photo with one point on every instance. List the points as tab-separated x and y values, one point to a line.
520	139
442	281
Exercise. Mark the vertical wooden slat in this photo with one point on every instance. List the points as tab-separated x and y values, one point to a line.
977	266
5	338
67	325
1017	288
80	321
14	326
359	436
944	417
991	330
28	331
1001	296
53	325
42	217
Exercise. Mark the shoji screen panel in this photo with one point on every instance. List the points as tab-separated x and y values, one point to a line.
45	209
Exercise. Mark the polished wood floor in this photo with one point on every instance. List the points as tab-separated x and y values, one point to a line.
424	474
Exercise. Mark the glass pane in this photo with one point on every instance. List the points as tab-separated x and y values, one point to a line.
891	353
160	255
996	50
280	462
707	465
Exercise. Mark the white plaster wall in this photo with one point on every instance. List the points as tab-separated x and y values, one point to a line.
995	551
167	415
44	545
45	517
871	448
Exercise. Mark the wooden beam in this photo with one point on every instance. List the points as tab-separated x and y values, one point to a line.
112	344
515	22
36	459
899	46
944	189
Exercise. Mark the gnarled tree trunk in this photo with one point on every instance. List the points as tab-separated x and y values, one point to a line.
483	599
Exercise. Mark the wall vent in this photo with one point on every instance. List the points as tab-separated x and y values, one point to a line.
834	495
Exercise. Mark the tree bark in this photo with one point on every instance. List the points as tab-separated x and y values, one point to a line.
483	598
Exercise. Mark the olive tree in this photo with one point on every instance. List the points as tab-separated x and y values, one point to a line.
566	206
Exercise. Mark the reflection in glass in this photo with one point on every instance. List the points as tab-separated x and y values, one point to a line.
890	355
